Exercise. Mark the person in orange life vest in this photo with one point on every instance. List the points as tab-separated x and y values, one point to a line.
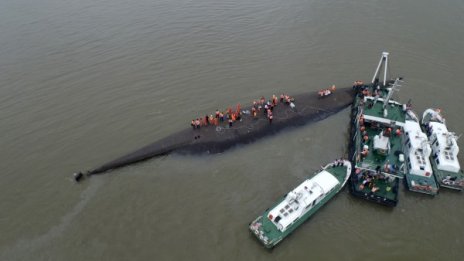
221	116
366	138
387	132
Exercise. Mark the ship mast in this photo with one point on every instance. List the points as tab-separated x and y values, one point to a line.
383	59
395	87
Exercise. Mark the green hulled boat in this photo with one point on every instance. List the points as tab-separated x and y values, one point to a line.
445	149
376	149
417	150
298	205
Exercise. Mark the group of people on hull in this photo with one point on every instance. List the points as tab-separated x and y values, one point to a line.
327	92
230	116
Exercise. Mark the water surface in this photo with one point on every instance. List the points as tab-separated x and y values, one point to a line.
82	82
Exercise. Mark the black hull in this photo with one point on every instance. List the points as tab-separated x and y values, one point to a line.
216	139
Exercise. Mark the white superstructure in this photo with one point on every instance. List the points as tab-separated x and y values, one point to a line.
444	145
416	148
302	199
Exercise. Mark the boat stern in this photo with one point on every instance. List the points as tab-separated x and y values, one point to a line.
256	228
421	184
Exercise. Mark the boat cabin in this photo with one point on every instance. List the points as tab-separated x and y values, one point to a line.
302	199
417	149
444	147
382	144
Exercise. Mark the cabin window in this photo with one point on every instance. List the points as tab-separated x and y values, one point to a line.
409	145
422	167
438	161
449	155
277	219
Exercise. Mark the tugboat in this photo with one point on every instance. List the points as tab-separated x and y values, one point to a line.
298	205
444	160
376	150
417	149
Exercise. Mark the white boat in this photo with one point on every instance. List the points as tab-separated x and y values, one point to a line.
417	150
298	205
445	150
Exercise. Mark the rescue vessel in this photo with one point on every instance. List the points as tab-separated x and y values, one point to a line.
445	149
417	149
376	150
298	205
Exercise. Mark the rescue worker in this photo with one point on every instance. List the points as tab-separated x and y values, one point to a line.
274	100
221	116
366	138
364	153
387	132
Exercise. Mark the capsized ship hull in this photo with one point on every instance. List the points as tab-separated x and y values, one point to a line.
309	107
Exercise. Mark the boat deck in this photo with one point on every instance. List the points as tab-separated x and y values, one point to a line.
421	184
375	109
376	175
455	182
386	194
374	159
447	179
